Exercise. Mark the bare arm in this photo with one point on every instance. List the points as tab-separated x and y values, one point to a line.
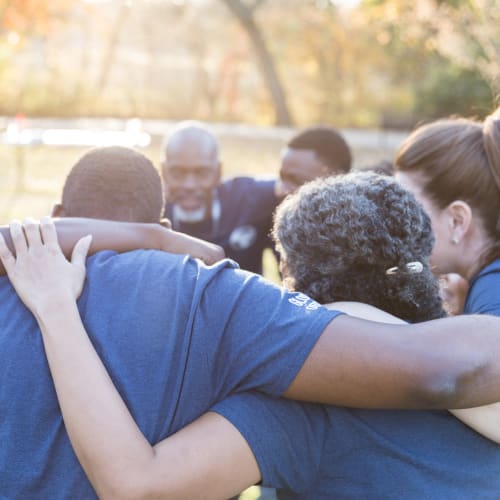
484	419
207	459
126	236
445	363
364	311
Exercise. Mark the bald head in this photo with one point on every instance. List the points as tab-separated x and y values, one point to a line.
191	168
192	142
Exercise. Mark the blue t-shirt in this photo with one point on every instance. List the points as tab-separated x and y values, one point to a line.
175	336
244	222
324	452
484	291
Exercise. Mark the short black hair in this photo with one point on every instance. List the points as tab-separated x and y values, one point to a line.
328	144
114	183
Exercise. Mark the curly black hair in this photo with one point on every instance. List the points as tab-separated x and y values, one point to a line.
339	235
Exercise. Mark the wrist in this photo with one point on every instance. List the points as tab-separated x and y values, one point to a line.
55	308
156	236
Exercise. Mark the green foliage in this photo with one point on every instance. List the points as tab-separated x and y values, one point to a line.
448	89
378	62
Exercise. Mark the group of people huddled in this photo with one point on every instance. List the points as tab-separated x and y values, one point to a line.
164	365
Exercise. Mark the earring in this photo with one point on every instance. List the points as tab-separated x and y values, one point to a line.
454	240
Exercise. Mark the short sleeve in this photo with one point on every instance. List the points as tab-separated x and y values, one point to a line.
258	333
286	437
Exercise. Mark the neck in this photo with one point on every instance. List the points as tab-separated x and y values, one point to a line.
473	254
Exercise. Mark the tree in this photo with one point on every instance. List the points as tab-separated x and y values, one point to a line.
244	12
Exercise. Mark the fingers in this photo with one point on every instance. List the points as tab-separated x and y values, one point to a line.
18	238
6	256
49	233
81	250
32	232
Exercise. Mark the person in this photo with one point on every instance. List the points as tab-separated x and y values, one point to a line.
316	151
453	167
112	183
374	230
235	214
120	184
453	290
257	337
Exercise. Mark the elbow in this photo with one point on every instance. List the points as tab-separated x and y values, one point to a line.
143	486
124	487
457	385
124	491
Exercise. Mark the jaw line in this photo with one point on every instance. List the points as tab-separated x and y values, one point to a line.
189	216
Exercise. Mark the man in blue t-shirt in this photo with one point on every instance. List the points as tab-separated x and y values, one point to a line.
235	214
175	336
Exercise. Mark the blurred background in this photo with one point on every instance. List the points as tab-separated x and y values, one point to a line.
355	63
258	69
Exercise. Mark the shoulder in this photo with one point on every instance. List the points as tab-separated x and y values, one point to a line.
247	183
484	292
151	269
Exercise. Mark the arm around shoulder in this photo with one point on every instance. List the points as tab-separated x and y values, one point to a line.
445	363
127	236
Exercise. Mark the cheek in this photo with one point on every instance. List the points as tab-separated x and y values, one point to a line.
440	258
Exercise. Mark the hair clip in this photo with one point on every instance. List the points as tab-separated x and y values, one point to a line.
415	267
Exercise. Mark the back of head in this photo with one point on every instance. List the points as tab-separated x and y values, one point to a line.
458	159
328	145
339	236
114	183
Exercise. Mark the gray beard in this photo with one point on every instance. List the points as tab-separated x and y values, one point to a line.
189	216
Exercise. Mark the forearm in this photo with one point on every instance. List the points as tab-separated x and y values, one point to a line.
118	460
127	236
484	419
109	445
107	235
448	363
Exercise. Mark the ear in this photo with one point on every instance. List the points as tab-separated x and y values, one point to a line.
460	219
58	210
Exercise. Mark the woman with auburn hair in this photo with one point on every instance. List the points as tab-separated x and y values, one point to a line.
453	168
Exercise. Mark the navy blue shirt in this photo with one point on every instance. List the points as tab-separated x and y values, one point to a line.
244	223
316	452
484	291
324	452
176	337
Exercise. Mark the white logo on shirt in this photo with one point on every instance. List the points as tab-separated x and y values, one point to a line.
242	237
301	300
